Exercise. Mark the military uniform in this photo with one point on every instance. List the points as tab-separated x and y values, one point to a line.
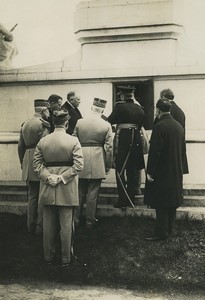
31	132
59	154
128	154
95	136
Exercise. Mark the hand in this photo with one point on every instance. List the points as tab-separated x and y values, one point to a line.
150	178
53	179
107	171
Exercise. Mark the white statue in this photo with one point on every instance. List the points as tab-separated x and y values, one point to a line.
8	48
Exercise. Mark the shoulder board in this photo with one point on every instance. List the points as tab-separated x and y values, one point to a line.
45	123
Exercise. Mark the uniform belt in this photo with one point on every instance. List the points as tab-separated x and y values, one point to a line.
58	164
91	145
126	126
31	146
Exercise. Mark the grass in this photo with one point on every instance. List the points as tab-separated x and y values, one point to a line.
114	254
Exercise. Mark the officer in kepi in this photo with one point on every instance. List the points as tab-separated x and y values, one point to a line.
58	160
31	132
128	154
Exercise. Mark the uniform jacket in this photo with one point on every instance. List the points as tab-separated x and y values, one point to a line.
31	132
59	147
165	164
131	113
74	114
95	136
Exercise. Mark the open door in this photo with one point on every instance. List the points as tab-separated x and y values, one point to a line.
144	94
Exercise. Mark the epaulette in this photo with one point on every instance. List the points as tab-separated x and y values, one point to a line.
120	102
45	123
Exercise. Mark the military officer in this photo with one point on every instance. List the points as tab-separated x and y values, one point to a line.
95	136
58	160
128	154
31	132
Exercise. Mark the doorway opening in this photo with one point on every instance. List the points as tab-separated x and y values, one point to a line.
144	94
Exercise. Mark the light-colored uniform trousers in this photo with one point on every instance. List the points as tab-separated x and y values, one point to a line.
88	193
35	209
50	223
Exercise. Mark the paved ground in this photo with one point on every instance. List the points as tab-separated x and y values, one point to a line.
49	291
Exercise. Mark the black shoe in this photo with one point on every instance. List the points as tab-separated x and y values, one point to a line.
156	238
138	192
65	265
48	262
120	206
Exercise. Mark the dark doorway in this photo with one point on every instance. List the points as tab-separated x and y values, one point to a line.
144	94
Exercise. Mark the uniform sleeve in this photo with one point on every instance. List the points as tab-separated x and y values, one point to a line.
75	132
108	147
21	148
113	117
156	145
38	166
77	163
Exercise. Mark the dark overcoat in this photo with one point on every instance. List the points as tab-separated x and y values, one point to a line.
165	164
178	114
125	113
75	115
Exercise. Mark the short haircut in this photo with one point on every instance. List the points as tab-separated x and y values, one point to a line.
70	95
167	93
60	117
163	105
54	98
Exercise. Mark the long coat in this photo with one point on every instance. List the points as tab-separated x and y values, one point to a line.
165	164
59	147
95	136
31	132
75	115
128	112
178	114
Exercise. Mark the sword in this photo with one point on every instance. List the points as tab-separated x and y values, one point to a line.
13	27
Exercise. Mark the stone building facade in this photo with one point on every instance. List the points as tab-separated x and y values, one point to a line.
152	44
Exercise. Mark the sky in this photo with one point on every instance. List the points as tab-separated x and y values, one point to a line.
45	31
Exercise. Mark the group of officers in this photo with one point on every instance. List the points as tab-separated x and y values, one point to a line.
65	156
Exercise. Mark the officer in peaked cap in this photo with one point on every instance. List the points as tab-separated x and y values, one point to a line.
95	136
58	160
128	155
31	132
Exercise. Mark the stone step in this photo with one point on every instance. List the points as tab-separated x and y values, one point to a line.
195	213
106	187
110	199
190	201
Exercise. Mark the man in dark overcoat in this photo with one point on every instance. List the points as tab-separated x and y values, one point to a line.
164	183
71	105
128	154
178	114
55	102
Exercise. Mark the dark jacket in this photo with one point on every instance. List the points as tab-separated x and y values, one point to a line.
74	114
131	113
165	164
178	114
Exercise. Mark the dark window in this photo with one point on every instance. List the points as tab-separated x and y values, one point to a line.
144	94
